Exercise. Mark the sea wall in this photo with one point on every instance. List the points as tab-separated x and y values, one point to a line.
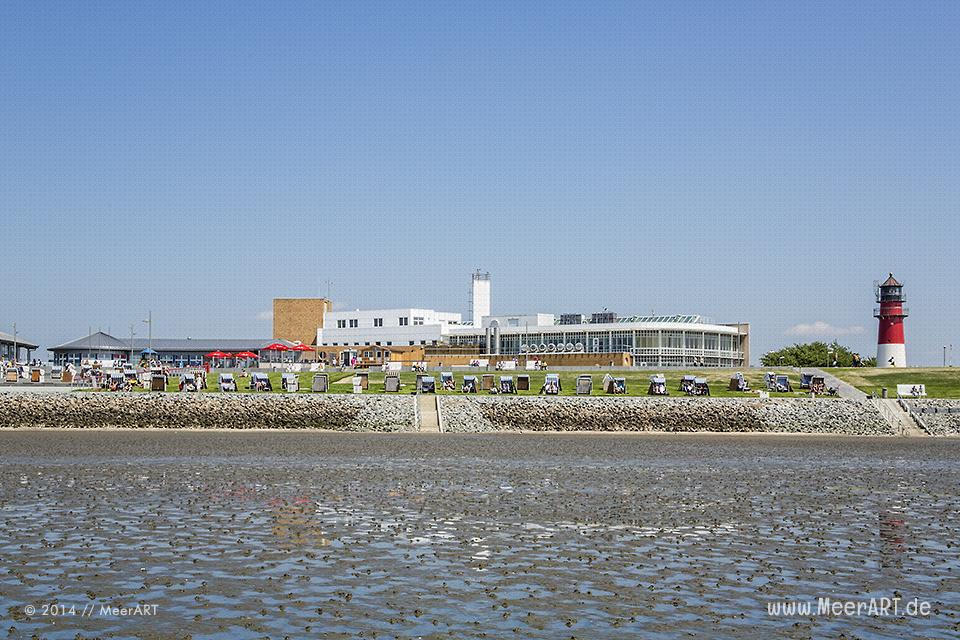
942	417
793	415
207	411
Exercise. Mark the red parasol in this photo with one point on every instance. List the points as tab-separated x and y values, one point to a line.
301	347
276	346
245	354
217	354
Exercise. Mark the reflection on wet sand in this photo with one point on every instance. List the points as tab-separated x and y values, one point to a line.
530	536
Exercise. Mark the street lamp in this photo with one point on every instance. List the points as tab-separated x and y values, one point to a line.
149	323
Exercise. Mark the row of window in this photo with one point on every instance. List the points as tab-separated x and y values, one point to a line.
403	321
613	341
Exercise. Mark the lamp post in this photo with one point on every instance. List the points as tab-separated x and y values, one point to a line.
131	343
149	323
14	344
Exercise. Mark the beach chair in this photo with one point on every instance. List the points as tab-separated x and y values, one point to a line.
818	385
506	385
551	385
56	373
321	382
391	383
158	382
805	380
738	383
36	374
469	384
658	385
291	382
782	384
12	375
364	379
260	382
701	387
446	381
67	376
687	384
226	382
426	384
619	386
116	381
188	382
770	379
584	385
486	382
523	382
607	383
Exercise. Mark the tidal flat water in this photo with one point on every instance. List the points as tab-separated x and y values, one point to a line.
310	534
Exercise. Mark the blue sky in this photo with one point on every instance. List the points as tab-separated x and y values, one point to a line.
761	162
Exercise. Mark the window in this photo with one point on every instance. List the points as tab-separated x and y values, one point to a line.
404	321
378	322
423	342
389	344
377	343
354	323
418	320
411	343
366	344
341	324
694	340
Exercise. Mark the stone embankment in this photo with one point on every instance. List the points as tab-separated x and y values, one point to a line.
207	411
941	417
800	415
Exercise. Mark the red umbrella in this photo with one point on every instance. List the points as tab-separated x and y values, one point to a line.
276	346
245	354
217	354
301	347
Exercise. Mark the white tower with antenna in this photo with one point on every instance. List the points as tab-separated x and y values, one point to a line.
480	300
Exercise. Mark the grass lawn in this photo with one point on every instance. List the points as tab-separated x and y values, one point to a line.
940	382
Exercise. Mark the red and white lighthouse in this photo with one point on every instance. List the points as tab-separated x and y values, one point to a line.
891	349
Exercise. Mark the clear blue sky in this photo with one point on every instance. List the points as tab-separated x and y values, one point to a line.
761	162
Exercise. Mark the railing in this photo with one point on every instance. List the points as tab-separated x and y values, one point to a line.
889	415
903	312
914	415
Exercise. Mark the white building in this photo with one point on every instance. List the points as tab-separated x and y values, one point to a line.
406	326
661	341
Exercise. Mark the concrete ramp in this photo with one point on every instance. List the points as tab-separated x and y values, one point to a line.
899	419
429	416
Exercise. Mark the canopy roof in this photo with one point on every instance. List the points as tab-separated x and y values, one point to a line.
101	341
8	338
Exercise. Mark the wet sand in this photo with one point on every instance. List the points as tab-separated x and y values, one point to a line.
308	534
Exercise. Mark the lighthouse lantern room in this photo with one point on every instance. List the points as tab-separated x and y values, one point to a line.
891	348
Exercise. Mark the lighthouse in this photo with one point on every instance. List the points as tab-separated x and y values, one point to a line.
891	350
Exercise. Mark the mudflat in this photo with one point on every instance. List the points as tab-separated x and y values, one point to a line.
246	534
